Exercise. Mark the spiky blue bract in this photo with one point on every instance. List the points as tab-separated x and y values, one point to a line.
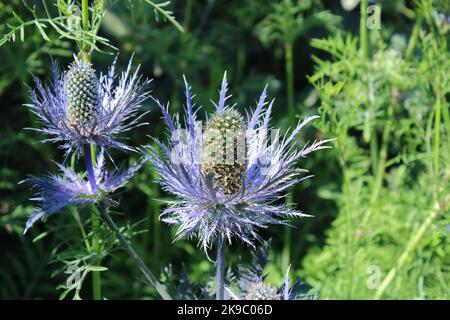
117	100
55	192
252	285
202	209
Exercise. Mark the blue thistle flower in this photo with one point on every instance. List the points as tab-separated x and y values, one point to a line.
251	282
78	108
229	198
55	192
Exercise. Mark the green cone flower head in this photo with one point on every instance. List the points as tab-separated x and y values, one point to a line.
224	150
79	108
82	95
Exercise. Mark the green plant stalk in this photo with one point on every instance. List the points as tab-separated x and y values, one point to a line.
341	134
96	277
187	15
290	78
415	34
439	95
437	129
364	49
348	210
288	51
437	119
90	153
77	218
381	169
134	256
410	248
374	148
363	31
95	223
445	113
85	26
104	213
349	232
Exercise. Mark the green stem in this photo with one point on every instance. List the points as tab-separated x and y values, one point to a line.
96	277
77	218
363	31
381	169
187	16
437	90
99	210
374	148
289	79
85	26
90	160
134	256
437	129
348	192
347	207
441	103
95	223
415	34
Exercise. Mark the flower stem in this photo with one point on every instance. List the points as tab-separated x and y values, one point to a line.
363	32
220	268
290	78
136	259
415	34
85	26
95	223
381	168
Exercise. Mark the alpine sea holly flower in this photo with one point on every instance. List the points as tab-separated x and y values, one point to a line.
55	192
228	179
251	282
79	111
78	108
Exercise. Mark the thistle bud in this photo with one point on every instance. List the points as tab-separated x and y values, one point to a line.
224	150
261	291
82	95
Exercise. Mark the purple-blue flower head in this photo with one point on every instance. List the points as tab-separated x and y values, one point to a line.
252	285
78	108
226	176
55	192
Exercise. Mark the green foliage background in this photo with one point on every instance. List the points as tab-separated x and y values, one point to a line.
379	198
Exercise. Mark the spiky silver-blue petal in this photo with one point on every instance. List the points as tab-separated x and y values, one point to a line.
55	192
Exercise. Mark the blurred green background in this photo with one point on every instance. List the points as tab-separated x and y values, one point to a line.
379	198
